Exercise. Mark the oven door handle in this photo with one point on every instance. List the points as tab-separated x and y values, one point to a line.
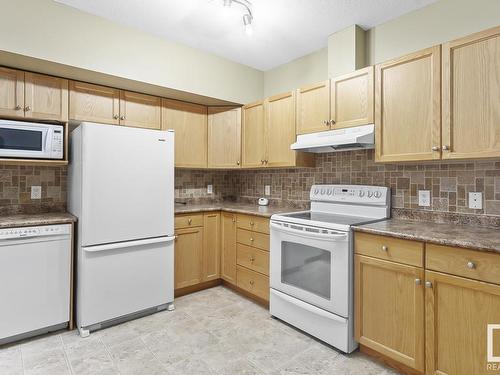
303	233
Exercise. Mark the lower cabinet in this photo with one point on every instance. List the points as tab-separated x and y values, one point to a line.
228	248
211	246
431	319
390	309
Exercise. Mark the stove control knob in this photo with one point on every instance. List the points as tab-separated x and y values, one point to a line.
322	191
361	193
329	192
377	194
316	191
370	194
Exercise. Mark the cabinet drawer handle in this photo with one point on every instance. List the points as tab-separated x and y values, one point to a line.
428	284
418	282
471	265
384	248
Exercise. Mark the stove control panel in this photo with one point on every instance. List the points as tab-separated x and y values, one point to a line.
378	195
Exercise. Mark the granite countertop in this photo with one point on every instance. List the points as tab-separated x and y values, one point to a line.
468	236
241	208
26	220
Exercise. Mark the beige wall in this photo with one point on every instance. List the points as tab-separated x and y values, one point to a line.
50	31
307	69
434	24
346	51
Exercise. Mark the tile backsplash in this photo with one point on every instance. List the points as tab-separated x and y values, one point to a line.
15	189
449	183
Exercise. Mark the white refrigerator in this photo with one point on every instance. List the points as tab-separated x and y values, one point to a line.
121	188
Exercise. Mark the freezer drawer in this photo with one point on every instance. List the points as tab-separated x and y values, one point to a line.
119	279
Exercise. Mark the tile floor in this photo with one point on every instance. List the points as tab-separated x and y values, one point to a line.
215	331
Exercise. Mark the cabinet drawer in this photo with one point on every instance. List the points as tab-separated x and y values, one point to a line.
473	264
389	248
255	223
187	221
253	282
254	239
252	258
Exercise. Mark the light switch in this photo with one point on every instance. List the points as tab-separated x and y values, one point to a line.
210	189
267	190
36	192
424	198
476	201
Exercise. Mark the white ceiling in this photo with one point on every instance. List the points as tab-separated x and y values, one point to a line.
283	29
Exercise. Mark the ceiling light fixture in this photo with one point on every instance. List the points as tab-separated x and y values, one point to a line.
247	17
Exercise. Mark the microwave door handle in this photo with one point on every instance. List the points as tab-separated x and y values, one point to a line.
303	233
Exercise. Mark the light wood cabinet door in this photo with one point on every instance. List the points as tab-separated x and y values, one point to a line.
313	108
94	103
189	121
140	110
389	309
224	137
11	92
188	257
458	311
45	97
211	246
408	107
254	135
352	99
228	248
281	132
471	96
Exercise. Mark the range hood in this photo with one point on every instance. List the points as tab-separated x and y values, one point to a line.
355	138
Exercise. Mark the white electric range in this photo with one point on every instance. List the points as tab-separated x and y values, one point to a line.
312	255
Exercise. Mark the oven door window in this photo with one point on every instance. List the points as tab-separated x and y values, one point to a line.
18	139
307	268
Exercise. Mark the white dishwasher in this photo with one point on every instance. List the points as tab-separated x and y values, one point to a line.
35	271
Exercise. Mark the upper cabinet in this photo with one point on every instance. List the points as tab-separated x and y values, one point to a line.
407	107
352	99
254	136
189	121
224	137
313	108
11	92
269	128
88	102
140	110
30	95
471	96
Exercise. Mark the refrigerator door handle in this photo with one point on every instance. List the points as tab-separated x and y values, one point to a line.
121	245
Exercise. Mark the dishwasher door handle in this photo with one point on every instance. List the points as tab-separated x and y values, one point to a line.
123	245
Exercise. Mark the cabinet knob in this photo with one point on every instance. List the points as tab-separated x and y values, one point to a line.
251	239
471	265
27	108
251	223
332	122
326	122
428	284
252	259
18	107
418	282
384	248
266	161
237	162
436	148
122	118
262	161
252	282
446	148
189	221
234	220
116	117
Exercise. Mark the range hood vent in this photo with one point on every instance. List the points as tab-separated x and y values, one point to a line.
355	138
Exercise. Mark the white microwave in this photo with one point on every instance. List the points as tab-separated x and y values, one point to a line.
31	140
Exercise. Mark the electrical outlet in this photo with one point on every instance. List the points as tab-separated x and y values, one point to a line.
210	189
476	201
267	190
36	192
424	198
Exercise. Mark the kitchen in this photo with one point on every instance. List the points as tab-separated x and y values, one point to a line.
309	211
